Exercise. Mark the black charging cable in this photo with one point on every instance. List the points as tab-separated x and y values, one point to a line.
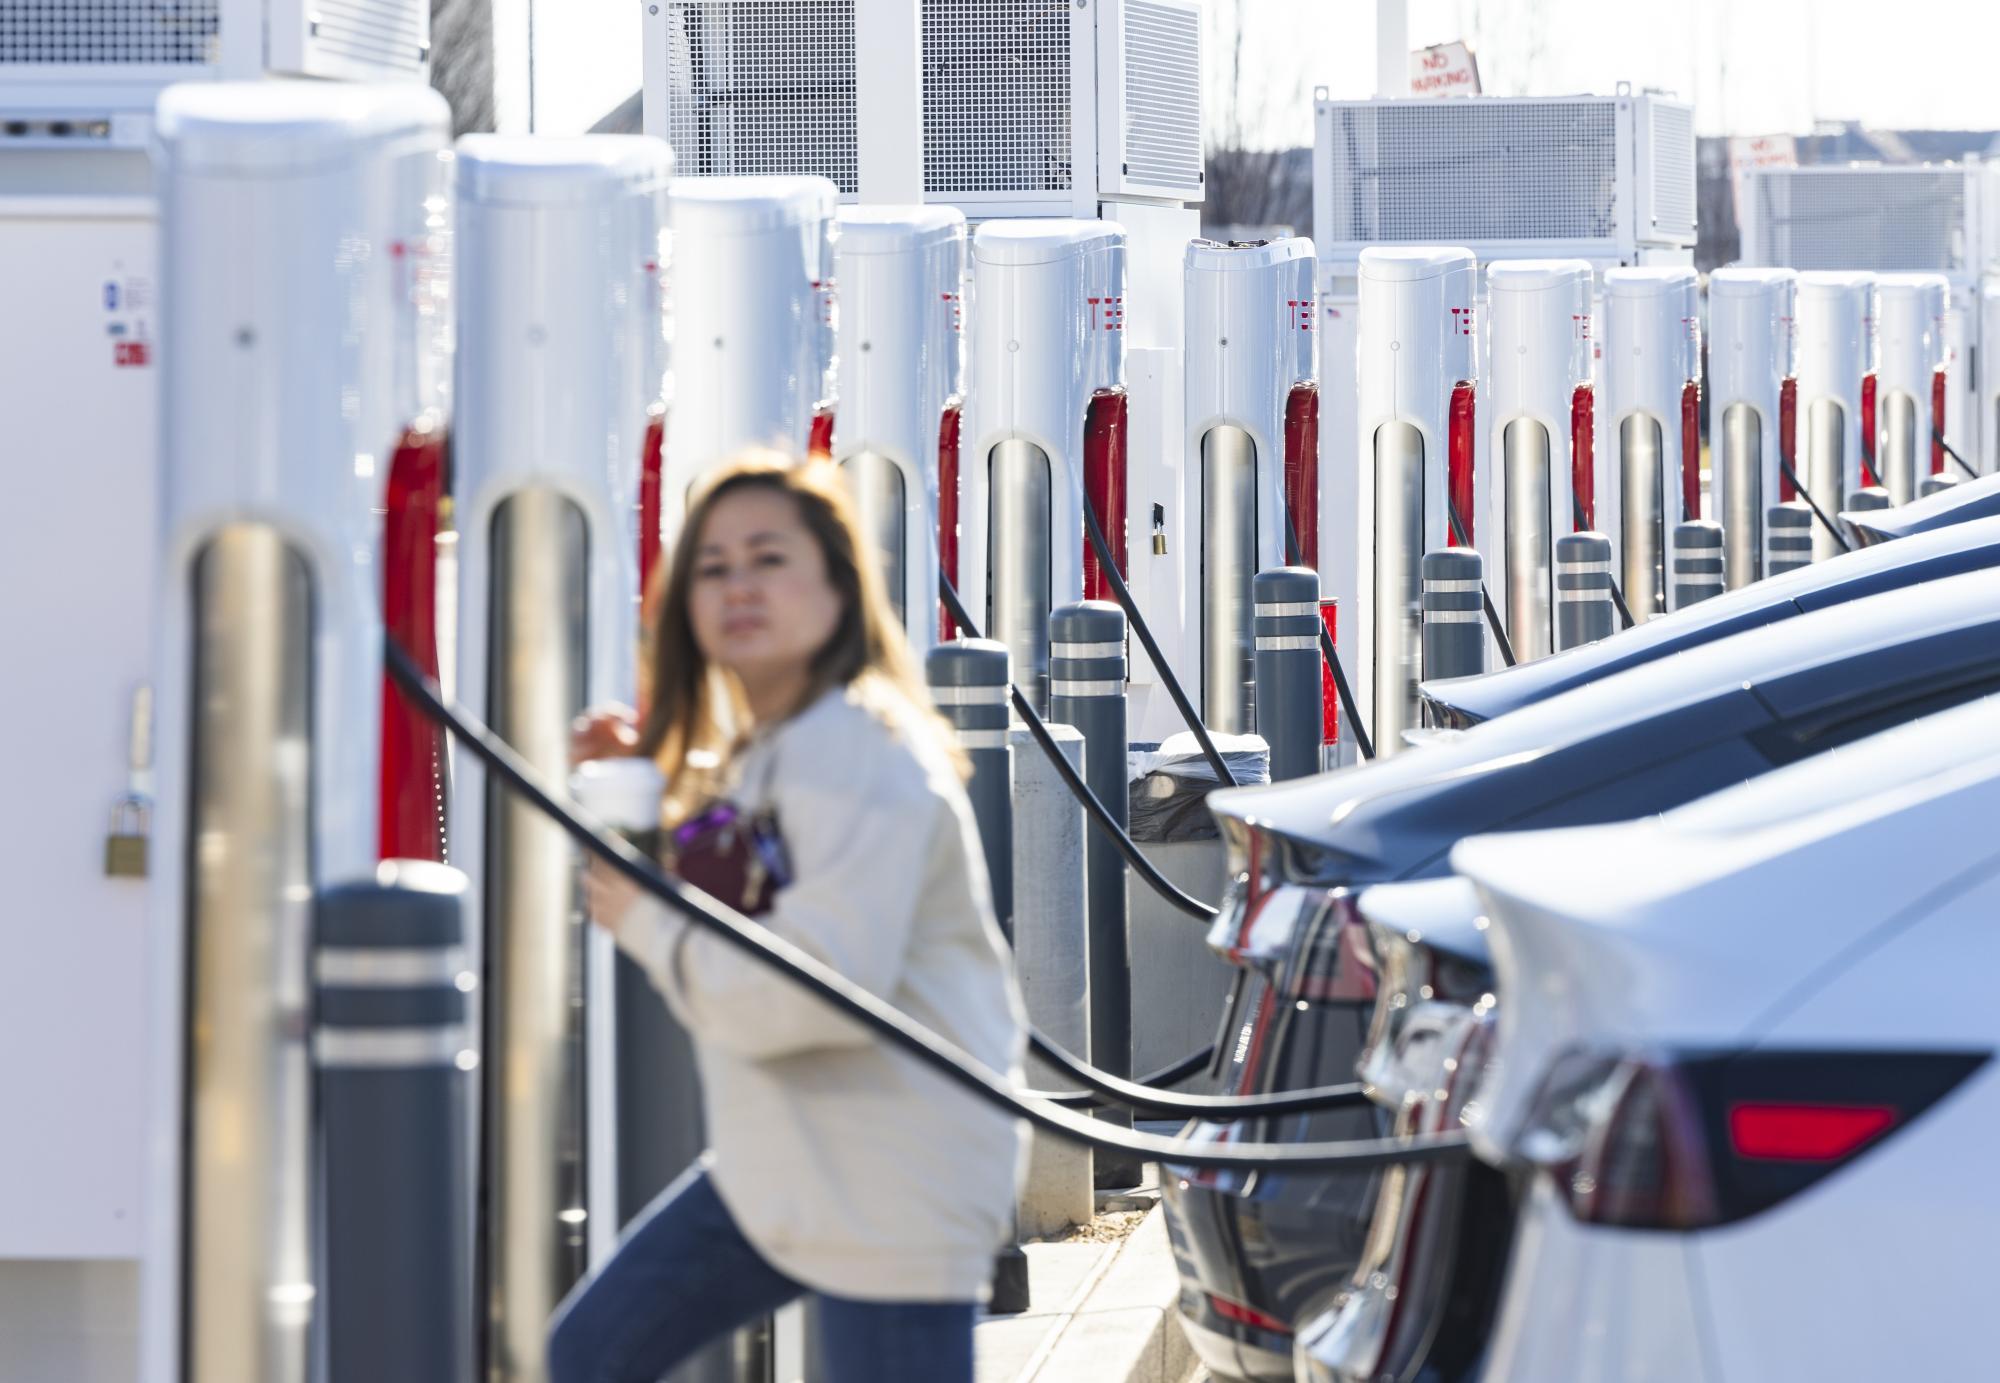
1617	596
1464	537
1327	651
1952	452
1799	488
871	1012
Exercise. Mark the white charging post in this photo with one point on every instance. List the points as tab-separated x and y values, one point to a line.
1651	384
1749	359
1836	333
1910	383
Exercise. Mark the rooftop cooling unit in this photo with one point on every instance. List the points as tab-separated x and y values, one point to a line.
75	71
1609	179
1026	107
1882	219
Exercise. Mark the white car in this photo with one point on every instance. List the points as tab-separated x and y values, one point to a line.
1744	1061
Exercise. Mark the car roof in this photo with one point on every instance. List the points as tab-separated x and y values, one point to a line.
1867	571
1978	498
1313	809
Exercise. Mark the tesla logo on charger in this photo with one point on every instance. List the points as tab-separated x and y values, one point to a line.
1582	322
1302	313
1461	320
1107	314
128	354
957	311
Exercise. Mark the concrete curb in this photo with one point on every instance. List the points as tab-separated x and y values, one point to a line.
1120	1325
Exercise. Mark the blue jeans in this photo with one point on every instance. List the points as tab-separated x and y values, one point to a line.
685	1275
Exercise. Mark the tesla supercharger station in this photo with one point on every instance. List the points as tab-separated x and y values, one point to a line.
1751	387
753	292
1988	392
1252	416
901	271
1542	475
1836	333
284	303
1046	424
560	249
1652	422
1418	368
1910	380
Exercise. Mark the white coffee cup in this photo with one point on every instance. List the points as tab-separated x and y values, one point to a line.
624	793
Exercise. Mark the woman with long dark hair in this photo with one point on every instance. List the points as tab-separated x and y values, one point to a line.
785	704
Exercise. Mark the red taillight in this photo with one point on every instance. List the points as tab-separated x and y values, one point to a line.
1302	469
1691	450
649	497
948	510
1868	437
1582	455
1329	690
1937	421
1458	461
1788	435
1805	1132
411	824
1104	486
1247	1315
819	439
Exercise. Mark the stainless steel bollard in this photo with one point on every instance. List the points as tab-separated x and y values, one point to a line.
1698	561
1870	498
1087	691
1288	663
1788	538
393	1054
968	681
1931	484
1584	612
1454	635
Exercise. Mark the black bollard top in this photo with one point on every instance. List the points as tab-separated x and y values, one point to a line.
1453	564
1087	621
967	663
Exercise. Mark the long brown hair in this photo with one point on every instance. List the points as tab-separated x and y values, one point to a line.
694	711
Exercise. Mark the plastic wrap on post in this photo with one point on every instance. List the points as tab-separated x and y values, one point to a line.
393	1055
1169	783
1584	612
412	815
1454	632
1302	469
1697	556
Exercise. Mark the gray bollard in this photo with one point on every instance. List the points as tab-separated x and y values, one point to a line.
1868	498
1584	612
1942	480
1087	691
1454	631
1788	540
1697	562
1054	964
393	1055
1287	697
969	680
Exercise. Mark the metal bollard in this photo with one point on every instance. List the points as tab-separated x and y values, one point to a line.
968	681
1788	540
1931	484
1087	691
1697	562
1869	498
393	1054
1287	696
1584	612
1454	638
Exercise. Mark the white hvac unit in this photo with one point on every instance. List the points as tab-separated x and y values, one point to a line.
1024	107
1922	218
84	72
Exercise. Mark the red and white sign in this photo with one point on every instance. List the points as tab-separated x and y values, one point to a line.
1446	69
1758	151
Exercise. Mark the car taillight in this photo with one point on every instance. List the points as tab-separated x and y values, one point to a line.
1582	455
1104	486
948	511
1788	435
1410	975
1687	1142
1459	434
1329	689
1302	468
650	459
1868	436
819	438
410	823
1334	965
1691	450
1937	421
1246	1315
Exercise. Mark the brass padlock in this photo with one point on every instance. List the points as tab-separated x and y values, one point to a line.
126	847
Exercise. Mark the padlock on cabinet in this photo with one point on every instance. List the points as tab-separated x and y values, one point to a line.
126	847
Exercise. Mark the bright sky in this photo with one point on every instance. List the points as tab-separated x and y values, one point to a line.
1750	66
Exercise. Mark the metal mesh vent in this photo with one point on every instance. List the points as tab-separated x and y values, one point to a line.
996	96
1884	219
1672	163
1162	95
180	33
386	33
1452	171
763	87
